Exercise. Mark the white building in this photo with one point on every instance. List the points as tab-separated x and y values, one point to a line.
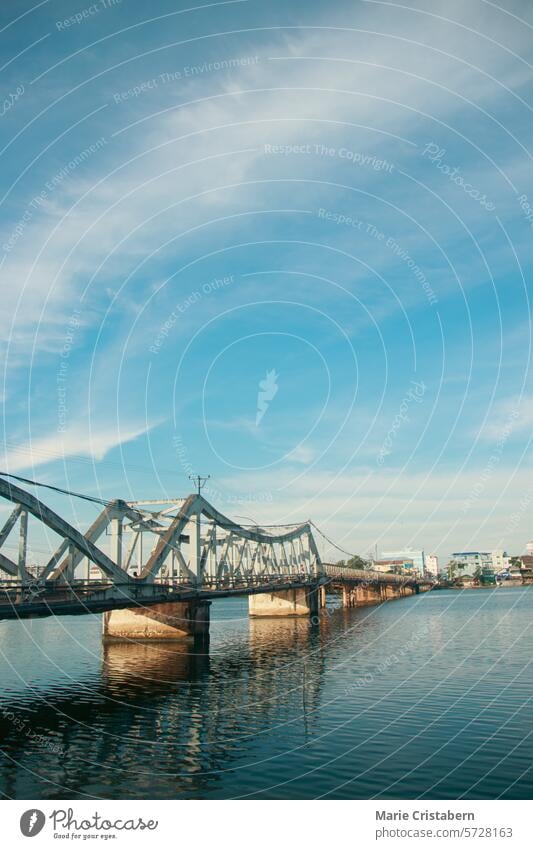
432	564
417	556
473	560
468	561
500	560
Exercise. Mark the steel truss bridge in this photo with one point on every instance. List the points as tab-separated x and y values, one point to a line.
162	551
158	551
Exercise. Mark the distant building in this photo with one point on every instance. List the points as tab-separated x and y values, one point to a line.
500	560
417	556
468	562
432	564
515	568
398	565
522	567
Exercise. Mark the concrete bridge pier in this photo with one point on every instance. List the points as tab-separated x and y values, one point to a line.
303	601
348	599
361	595
174	620
372	594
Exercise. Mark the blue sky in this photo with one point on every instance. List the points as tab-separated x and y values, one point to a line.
334	193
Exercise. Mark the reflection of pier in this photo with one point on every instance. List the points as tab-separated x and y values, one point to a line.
148	665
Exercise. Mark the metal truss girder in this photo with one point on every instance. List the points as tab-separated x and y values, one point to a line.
246	533
60	526
236	550
167	539
97	528
10	524
12	569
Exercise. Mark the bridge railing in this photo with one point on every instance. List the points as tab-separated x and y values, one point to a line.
16	592
369	576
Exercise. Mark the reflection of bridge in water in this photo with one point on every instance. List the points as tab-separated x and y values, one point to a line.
167	561
174	713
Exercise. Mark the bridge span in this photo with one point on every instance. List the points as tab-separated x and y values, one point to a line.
167	561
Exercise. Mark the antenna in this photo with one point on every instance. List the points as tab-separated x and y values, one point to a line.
199	481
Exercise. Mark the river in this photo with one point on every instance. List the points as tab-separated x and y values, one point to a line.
424	697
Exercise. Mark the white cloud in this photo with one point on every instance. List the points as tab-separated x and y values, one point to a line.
94	441
302	454
385	84
509	417
441	510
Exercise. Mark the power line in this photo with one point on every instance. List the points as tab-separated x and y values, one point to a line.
88	461
200	481
91	498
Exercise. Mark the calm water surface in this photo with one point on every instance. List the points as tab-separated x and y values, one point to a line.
429	696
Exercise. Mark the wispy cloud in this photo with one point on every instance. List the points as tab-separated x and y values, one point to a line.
111	212
79	439
509	418
302	454
232	168
360	507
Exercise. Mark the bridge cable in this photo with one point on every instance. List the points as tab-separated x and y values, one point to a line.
91	498
334	544
262	527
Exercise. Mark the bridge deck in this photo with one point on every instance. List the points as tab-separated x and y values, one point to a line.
17	603
82	597
345	574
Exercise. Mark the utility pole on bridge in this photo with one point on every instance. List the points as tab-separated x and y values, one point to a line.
200	481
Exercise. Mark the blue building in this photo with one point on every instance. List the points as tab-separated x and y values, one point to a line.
417	556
